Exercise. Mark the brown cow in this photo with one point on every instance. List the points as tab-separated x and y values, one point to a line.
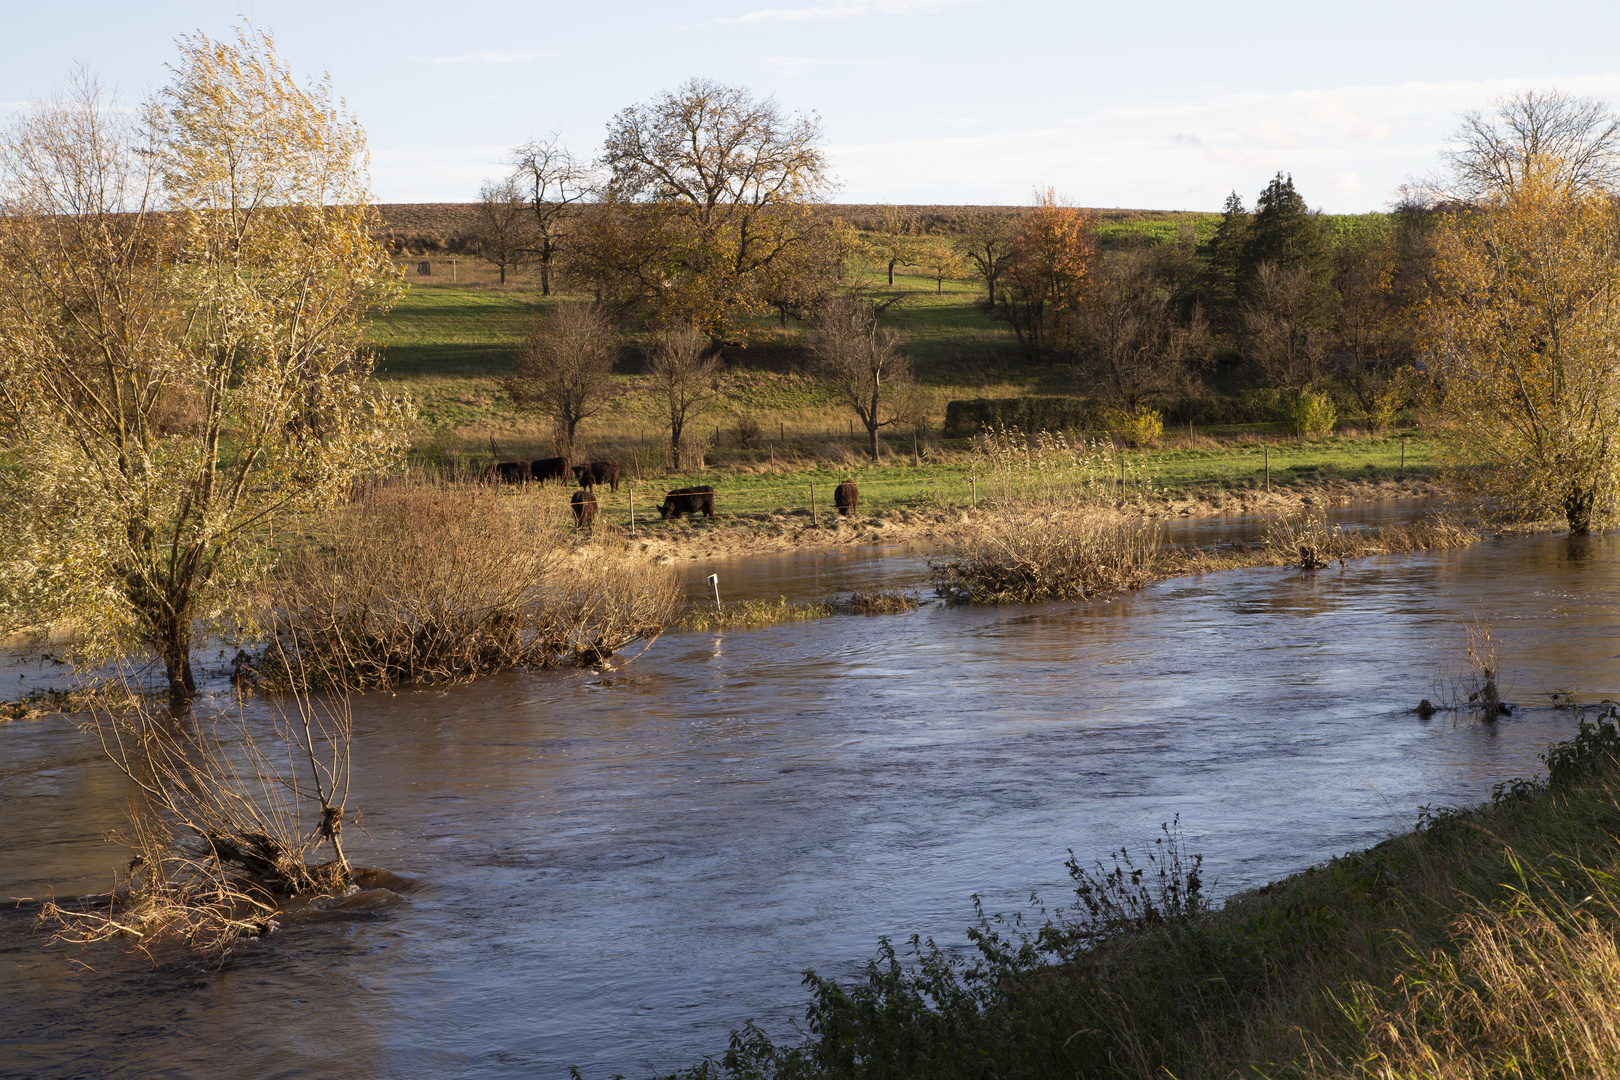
508	472
687	501
584	506
598	472
846	496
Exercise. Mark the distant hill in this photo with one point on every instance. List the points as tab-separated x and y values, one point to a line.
424	228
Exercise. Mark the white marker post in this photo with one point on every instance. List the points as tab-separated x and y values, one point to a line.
714	583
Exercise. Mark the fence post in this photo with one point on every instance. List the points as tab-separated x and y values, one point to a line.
632	511
1267	451
714	583
813	505
1403	455
973	483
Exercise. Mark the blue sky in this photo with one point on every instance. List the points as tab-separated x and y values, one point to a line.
1153	105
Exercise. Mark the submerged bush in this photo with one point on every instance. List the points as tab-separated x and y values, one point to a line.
1034	554
436	583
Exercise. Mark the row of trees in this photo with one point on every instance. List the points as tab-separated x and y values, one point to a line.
565	371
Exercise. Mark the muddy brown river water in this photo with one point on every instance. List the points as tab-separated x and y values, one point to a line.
614	871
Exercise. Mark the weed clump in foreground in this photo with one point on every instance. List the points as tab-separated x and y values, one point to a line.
1481	944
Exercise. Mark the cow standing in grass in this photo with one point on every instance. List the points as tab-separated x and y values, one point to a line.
846	497
687	501
508	472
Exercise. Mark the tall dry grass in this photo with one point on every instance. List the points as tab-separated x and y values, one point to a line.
431	583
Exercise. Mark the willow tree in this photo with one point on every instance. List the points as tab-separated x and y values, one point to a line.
1523	328
184	292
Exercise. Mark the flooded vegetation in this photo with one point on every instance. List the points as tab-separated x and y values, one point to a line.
616	869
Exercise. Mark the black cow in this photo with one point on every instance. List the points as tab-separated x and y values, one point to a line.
584	506
846	496
687	501
548	468
508	472
598	472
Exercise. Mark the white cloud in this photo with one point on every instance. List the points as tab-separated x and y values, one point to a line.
489	58
842	9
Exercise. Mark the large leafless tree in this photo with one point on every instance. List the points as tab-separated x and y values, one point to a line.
1577	137
555	184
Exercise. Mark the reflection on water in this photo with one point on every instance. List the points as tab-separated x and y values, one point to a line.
616	870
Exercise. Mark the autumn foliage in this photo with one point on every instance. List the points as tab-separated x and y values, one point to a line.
1047	275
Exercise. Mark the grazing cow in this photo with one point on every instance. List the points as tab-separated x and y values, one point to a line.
846	496
548	468
598	472
687	501
584	507
508	472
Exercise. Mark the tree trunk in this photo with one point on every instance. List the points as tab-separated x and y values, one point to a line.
545	276
891	270
176	648
872	430
1579	503
992	283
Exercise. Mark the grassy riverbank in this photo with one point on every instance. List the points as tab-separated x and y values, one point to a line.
1481	944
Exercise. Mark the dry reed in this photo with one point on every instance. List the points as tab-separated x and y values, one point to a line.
430	583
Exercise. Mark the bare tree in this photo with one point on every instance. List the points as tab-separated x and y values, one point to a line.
863	365
1133	335
1576	138
683	366
554	182
503	225
565	370
1284	332
988	247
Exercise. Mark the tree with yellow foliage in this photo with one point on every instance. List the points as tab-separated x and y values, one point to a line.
184	292
1522	328
1047	275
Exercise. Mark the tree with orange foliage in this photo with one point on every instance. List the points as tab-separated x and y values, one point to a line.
1047	275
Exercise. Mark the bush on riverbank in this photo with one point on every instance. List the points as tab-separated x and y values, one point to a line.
431	583
1480	944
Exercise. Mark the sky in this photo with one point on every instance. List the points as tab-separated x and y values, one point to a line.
1165	106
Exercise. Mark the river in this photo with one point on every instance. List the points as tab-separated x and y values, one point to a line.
613	870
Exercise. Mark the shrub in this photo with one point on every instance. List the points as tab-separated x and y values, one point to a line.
1310	414
423	583
1140	429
